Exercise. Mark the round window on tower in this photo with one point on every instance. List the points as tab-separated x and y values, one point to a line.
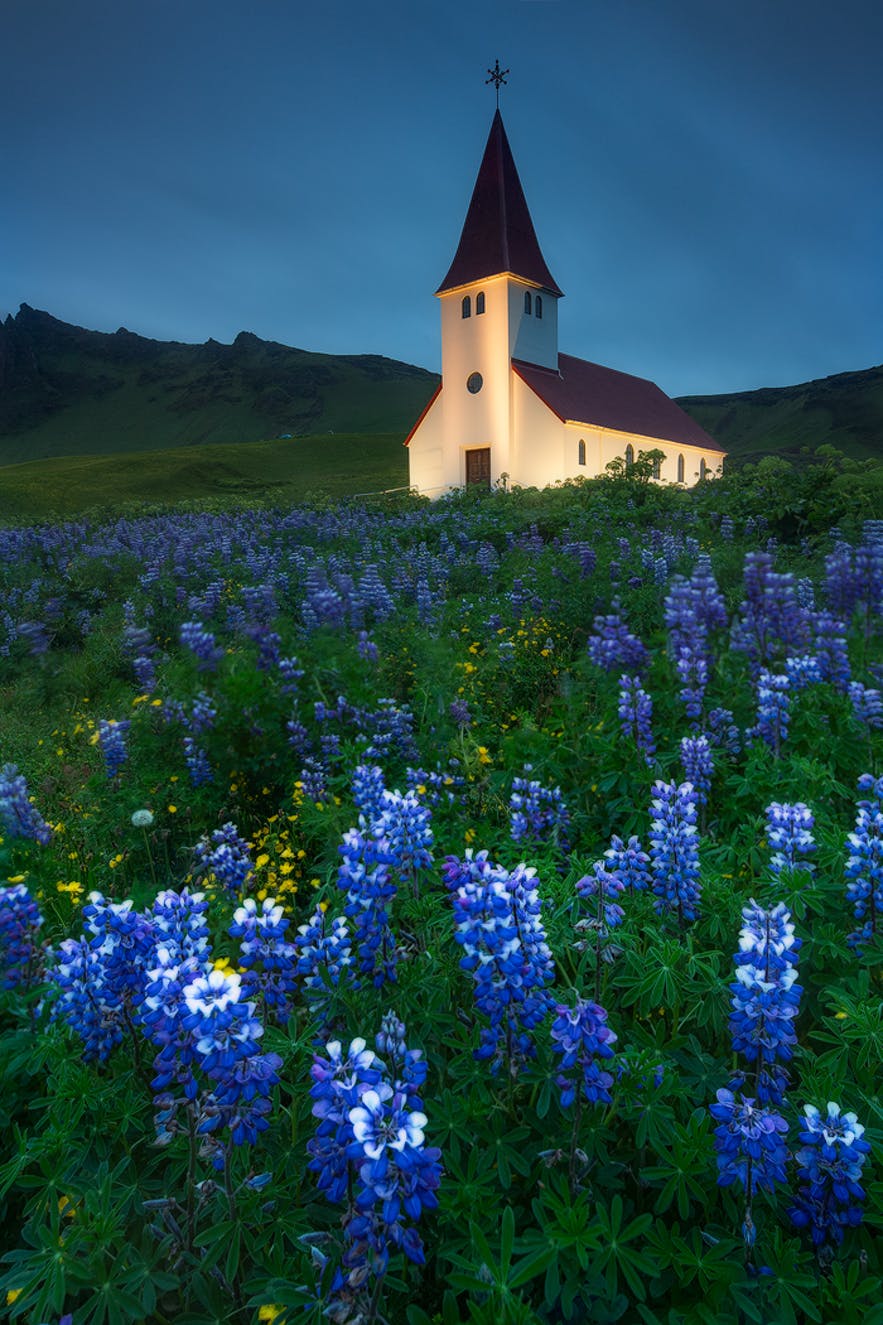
474	383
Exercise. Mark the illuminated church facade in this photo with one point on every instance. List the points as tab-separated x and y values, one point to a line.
510	407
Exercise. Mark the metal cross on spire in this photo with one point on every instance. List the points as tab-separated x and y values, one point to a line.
498	78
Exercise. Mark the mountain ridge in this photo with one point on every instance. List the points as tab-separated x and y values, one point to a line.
67	391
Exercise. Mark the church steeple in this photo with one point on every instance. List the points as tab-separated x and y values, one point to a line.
498	234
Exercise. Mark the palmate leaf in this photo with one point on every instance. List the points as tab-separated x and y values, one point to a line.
615	1253
683	1171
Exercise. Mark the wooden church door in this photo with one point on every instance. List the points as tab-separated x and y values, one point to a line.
478	467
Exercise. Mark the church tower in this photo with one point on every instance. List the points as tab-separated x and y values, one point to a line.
499	302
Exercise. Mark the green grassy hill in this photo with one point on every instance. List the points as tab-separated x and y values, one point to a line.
65	391
342	465
845	411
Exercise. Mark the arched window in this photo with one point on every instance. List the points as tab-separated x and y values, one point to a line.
479	303
581	451
703	468
680	469
629	456
538	306
657	468
466	307
527	302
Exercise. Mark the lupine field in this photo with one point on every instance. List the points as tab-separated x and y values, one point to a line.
468	912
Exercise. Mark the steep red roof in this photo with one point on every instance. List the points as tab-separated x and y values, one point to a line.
498	234
584	392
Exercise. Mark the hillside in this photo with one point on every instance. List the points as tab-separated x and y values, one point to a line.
845	411
68	391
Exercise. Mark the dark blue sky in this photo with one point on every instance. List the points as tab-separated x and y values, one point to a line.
706	180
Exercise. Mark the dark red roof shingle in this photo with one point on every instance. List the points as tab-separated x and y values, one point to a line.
498	234
585	392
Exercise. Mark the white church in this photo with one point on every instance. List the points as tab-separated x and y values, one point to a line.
508	403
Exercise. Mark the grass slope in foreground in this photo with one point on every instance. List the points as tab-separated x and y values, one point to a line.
337	464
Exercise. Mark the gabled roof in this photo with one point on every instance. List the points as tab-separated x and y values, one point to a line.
583	392
498	234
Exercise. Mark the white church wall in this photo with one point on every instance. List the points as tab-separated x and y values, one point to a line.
426	458
533	339
539	439
476	344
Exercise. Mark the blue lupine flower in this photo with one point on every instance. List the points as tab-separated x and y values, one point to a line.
365	876
227	1036
19	921
198	767
674	850
581	1036
406	825
789	833
161	1013
538	813
339	1082
226	856
803	671
112	742
498	925
124	939
867	704
261	931
749	1142
636	715
85	1000
765	1000
201	644
605	885
864	862
722	731
829	1167
628	862
18	817
698	765
773	710
179	923
323	950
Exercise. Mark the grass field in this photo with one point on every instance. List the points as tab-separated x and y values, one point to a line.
339	464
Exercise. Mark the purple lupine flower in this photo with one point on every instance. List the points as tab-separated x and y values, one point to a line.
498	925
829	1170
364	875
829	646
722	732
773	710
789	833
459	711
749	1142
366	647
692	669
313	780
225	855
636	715
698	765
161	1012
538	813
867	704
18	817
290	673
112	742
581	1036
19	921
765	1001
629	862
864	862
202	645
605	885
772	621
270	961
198	767
674	850
612	646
